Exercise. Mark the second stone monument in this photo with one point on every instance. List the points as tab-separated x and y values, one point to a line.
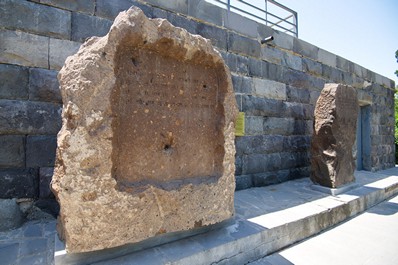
336	112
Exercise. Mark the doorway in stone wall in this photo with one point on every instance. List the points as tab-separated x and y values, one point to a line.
363	138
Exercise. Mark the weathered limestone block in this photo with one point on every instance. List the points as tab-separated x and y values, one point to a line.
336	112
147	142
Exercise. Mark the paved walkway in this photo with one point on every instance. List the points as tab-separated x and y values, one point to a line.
253	202
33	243
275	213
370	238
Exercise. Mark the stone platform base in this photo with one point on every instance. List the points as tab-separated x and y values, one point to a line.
62	257
267	219
335	191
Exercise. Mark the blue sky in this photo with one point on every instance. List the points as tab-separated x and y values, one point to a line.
362	31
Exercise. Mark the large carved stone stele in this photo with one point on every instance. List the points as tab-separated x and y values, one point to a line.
147	142
336	112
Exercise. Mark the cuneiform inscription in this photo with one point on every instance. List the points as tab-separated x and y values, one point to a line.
171	104
189	93
169	122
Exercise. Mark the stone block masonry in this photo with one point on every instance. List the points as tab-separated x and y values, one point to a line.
276	85
36	19
14	82
21	48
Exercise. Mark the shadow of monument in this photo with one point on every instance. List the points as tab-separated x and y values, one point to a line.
388	208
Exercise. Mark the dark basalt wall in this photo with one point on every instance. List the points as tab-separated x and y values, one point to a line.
276	85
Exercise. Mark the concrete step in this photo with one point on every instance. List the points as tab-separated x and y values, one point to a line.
267	219
368	238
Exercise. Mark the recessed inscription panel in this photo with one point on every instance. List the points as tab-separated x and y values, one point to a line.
170	121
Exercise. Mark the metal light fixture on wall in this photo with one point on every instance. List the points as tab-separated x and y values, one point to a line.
267	39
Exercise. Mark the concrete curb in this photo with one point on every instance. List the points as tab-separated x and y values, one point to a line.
248	239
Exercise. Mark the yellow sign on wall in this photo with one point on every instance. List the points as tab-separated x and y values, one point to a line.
240	124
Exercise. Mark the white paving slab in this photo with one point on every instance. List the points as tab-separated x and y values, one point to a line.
370	238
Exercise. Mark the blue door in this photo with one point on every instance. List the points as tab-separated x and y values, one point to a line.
363	138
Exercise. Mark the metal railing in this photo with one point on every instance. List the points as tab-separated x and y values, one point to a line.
268	12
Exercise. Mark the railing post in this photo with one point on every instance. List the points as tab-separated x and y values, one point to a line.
229	5
266	12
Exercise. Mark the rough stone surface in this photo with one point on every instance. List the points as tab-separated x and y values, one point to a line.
10	215
147	143
336	112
